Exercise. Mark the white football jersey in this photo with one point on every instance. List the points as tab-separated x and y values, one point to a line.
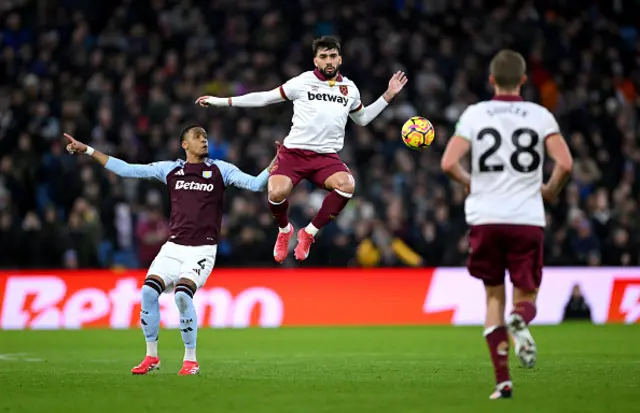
320	111
507	155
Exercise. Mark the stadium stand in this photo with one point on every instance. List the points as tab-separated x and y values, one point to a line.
123	77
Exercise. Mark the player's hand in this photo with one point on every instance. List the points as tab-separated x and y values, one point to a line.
203	101
208	101
397	82
275	158
75	146
547	194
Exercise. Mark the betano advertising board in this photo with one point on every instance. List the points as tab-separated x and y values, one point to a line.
303	297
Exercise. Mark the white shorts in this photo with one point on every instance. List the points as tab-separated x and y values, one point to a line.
181	261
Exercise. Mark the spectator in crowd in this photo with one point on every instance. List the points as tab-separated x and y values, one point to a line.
123	76
577	307
152	231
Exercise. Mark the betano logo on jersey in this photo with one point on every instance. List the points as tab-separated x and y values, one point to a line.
344	101
194	186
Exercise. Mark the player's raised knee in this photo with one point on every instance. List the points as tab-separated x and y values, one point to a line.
279	187
345	184
278	195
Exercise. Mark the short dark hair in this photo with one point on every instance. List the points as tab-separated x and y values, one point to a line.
507	68
326	42
186	130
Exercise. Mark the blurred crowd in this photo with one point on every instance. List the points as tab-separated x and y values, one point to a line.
123	75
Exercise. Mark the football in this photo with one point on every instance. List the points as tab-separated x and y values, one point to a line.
417	133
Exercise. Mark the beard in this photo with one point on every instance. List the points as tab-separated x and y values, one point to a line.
331	74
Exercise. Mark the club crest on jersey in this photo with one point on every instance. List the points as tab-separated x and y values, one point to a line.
344	90
207	174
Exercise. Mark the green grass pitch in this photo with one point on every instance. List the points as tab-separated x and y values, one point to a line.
581	368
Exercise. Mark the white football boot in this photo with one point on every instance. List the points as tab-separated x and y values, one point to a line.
525	346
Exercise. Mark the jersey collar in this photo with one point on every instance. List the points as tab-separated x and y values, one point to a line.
508	98
320	76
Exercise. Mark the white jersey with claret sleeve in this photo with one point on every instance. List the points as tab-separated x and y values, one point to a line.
507	157
321	109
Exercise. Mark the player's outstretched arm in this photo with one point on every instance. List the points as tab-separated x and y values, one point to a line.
158	170
456	149
233	176
363	115
250	100
557	150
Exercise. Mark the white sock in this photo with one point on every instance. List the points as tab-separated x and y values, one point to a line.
504	384
489	330
152	348
311	229
190	354
286	229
